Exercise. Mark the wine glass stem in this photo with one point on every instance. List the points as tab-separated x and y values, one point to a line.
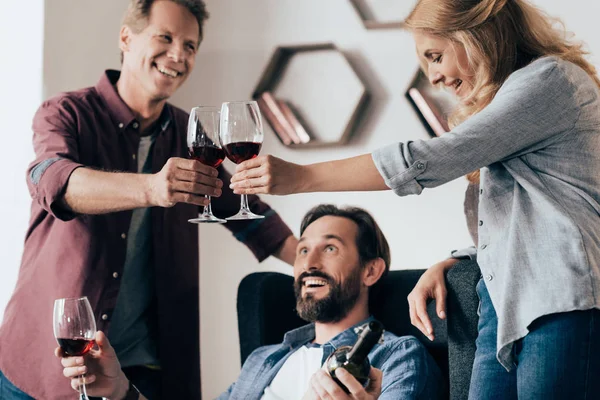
244	204
207	208
82	390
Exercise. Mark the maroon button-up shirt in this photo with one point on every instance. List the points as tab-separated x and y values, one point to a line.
70	255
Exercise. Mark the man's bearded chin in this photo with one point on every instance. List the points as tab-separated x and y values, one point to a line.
335	306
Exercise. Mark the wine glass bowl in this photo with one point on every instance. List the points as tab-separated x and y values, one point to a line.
204	145
242	137
74	328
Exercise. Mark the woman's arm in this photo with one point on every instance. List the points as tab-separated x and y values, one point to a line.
268	174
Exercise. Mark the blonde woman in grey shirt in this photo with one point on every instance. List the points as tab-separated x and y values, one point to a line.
530	122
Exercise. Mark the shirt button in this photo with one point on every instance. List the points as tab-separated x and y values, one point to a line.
420	165
483	247
135	125
480	223
480	191
123	235
121	125
104	317
115	275
488	278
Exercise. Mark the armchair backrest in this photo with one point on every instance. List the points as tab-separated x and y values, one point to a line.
267	310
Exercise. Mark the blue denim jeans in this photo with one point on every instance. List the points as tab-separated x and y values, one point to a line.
558	359
8	391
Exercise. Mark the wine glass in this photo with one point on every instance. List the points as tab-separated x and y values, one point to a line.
74	329
204	146
241	137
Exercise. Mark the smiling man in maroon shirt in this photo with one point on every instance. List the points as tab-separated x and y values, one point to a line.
122	238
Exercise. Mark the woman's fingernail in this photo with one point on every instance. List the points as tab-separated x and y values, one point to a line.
442	314
81	369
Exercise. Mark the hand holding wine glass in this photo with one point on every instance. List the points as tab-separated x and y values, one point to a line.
241	137
204	146
103	374
74	328
268	175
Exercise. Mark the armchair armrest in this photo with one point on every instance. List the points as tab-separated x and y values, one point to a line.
463	303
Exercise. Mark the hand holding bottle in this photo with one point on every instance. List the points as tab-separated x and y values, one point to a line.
322	386
355	359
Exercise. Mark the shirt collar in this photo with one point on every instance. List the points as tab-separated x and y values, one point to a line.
304	334
120	111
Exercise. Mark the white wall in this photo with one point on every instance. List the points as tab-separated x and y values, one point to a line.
21	42
81	41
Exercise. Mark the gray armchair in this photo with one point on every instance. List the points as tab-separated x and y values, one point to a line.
266	310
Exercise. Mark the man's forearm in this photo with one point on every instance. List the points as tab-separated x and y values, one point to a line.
99	192
287	251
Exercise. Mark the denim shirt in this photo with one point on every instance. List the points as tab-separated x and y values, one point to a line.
538	147
409	371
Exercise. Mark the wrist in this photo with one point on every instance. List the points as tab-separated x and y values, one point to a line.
148	189
446	265
308	179
122	388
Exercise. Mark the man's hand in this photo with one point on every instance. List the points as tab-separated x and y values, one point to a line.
323	387
103	375
184	181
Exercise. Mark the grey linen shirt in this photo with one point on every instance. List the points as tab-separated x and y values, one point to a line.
538	146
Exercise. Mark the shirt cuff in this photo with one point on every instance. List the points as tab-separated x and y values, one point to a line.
398	172
470	253
265	236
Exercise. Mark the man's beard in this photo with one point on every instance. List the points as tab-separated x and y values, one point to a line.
336	305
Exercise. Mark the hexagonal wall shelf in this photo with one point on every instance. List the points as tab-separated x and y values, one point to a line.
432	104
311	95
382	14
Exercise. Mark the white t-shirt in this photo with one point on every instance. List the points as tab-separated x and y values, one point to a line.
291	382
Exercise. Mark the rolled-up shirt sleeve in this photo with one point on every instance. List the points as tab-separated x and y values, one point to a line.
468	253
528	113
56	156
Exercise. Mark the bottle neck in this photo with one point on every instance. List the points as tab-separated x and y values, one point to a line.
367	339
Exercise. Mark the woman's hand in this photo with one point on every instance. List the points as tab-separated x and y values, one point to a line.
431	285
269	175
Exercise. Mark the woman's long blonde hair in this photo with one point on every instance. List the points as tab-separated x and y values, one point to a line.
499	37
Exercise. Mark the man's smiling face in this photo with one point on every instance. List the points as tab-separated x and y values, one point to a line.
162	55
327	271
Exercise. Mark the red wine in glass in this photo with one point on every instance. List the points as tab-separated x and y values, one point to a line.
241	137
239	152
204	146
75	347
208	155
74	328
